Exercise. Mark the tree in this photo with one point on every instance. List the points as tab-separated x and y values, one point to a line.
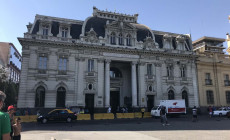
9	88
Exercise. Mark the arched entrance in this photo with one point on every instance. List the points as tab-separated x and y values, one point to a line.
185	97
61	95
171	95
40	97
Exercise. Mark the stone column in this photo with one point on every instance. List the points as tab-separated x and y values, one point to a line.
159	84
141	84
81	82
100	70
134	85
107	83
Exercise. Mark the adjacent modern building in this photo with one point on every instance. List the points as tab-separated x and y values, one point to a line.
11	59
109	59
213	67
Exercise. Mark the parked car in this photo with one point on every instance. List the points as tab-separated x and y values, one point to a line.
57	115
220	112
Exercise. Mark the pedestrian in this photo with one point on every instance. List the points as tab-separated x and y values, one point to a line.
194	114
4	120
210	111
143	112
11	111
17	129
109	109
163	114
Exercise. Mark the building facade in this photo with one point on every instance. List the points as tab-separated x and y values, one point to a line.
213	72
107	60
11	59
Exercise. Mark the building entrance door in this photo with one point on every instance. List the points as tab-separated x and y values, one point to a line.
114	100
150	102
89	102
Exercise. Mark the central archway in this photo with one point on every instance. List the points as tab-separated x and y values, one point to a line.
61	95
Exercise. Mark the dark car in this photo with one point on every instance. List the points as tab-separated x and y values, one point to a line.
57	115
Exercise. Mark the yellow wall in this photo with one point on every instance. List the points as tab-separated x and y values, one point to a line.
208	64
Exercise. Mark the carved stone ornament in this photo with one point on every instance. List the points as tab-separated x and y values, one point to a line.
167	37
91	36
149	43
158	64
180	38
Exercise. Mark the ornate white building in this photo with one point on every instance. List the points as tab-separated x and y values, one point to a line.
108	59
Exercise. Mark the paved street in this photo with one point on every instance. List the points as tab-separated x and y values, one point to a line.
135	129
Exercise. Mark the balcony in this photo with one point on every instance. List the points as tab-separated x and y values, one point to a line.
62	72
226	82
184	78
208	82
42	71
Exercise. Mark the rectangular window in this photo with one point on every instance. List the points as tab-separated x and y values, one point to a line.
210	97
169	71
226	77
62	64
226	80
45	30
207	76
42	63
149	69
228	97
64	32
90	65
208	80
183	72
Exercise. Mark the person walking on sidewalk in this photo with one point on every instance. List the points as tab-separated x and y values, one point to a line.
17	129
194	114
164	120
4	120
143	112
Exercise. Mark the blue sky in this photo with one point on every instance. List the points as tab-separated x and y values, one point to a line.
198	17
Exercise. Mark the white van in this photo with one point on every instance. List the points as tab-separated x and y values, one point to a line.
172	107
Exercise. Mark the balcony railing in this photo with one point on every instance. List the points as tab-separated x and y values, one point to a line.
62	72
184	78
42	71
170	78
208	81
226	82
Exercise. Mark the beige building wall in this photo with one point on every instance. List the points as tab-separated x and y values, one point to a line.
218	65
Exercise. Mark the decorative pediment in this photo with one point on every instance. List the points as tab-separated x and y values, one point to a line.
91	36
167	37
180	38
149	43
61	84
120	25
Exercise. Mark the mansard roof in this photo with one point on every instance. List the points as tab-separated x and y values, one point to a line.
103	19
75	25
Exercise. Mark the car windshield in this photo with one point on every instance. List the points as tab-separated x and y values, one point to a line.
155	108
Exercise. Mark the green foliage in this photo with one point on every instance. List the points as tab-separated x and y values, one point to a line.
11	90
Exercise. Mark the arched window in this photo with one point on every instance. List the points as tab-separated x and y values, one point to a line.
120	39
185	97
40	97
128	40
113	38
61	94
171	95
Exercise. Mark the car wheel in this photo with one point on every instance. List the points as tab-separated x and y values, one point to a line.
44	121
220	114
69	120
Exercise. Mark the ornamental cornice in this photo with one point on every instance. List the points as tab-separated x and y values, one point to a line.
68	45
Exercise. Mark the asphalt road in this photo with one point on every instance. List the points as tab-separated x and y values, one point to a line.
136	129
